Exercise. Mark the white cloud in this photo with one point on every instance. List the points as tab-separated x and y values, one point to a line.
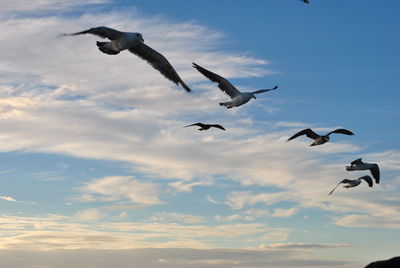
7	198
91	214
176	217
284	213
120	188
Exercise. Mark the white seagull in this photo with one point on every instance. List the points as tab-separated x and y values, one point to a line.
206	126
134	43
354	183
238	98
318	139
358	164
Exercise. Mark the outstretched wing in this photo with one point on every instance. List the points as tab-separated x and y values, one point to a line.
368	179
159	62
343	181
308	132
264	90
217	126
375	172
196	124
341	131
223	84
102	31
356	162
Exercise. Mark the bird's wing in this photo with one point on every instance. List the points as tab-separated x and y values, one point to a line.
196	124
335	187
159	62
223	84
341	131
368	179
102	31
218	126
308	132
264	90
357	161
375	172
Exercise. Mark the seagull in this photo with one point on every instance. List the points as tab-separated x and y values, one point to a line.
206	126
238	98
318	139
358	164
134	42
354	183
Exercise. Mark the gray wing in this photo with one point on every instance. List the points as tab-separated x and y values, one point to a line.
218	126
159	62
102	31
341	131
375	173
308	132
264	90
368	179
223	84
343	181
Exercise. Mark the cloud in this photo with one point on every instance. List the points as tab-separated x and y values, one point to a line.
368	221
176	217
162	230
303	246
8	198
91	214
168	258
9	6
121	188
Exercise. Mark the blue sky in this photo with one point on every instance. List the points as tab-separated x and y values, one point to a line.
95	160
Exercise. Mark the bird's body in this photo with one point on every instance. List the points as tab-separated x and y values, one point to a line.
237	98
358	164
353	183
206	126
133	42
319	139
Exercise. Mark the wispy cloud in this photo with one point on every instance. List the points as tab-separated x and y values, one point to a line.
7	198
120	188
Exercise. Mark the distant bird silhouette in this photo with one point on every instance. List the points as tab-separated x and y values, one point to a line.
305	1
318	139
354	183
134	43
206	126
238	98
358	164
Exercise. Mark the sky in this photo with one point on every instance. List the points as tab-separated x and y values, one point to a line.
97	169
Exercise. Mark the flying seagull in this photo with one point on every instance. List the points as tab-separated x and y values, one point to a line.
206	126
354	183
318	139
238	98
134	42
358	164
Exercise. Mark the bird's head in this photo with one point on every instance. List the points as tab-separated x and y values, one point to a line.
140	37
